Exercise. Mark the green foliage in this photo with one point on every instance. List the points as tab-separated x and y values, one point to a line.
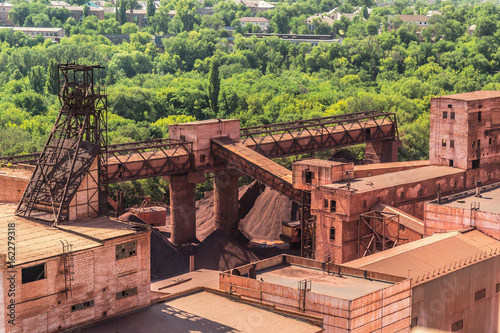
214	86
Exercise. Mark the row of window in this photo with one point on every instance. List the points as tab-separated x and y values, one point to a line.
90	304
452	143
452	115
37	272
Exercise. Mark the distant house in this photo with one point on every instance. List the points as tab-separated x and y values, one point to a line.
204	11
77	12
5	8
144	4
261	22
257	6
321	18
172	13
471	29
55	34
139	16
59	4
419	20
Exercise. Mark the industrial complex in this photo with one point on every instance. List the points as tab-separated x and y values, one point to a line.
382	247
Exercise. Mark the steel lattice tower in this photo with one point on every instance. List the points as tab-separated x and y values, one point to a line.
75	141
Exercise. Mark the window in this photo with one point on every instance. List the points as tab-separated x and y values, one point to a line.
33	273
452	115
478	143
479	116
414	322
202	158
456	326
402	228
475	164
402	195
126	250
325	203
445	114
332	233
82	306
489	141
364	203
473	144
451	163
309	177
183	138
443	142
333	206
450	106
126	293
479	294
368	131
452	143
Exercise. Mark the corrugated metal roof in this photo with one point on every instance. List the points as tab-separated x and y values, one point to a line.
405	219
429	254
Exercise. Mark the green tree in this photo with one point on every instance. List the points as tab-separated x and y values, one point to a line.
51	85
123	11
37	79
86	10
151	9
214	86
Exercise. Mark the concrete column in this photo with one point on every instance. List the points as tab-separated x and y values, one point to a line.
382	151
182	209
226	201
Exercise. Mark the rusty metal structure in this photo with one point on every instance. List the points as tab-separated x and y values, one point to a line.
383	232
74	142
307	136
78	138
161	157
143	159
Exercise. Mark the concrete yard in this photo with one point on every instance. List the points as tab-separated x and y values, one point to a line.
203	312
346	287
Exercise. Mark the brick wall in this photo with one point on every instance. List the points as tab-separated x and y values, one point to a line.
12	188
43	306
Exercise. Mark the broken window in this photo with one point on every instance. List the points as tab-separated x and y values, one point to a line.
458	325
82	306
33	273
126	250
309	177
126	293
479	294
332	233
333	206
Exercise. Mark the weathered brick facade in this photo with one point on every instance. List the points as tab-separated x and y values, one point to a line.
45	306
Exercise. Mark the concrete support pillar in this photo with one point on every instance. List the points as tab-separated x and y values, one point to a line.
382	151
182	209
226	201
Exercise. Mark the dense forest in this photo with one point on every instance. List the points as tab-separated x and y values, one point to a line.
261	80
